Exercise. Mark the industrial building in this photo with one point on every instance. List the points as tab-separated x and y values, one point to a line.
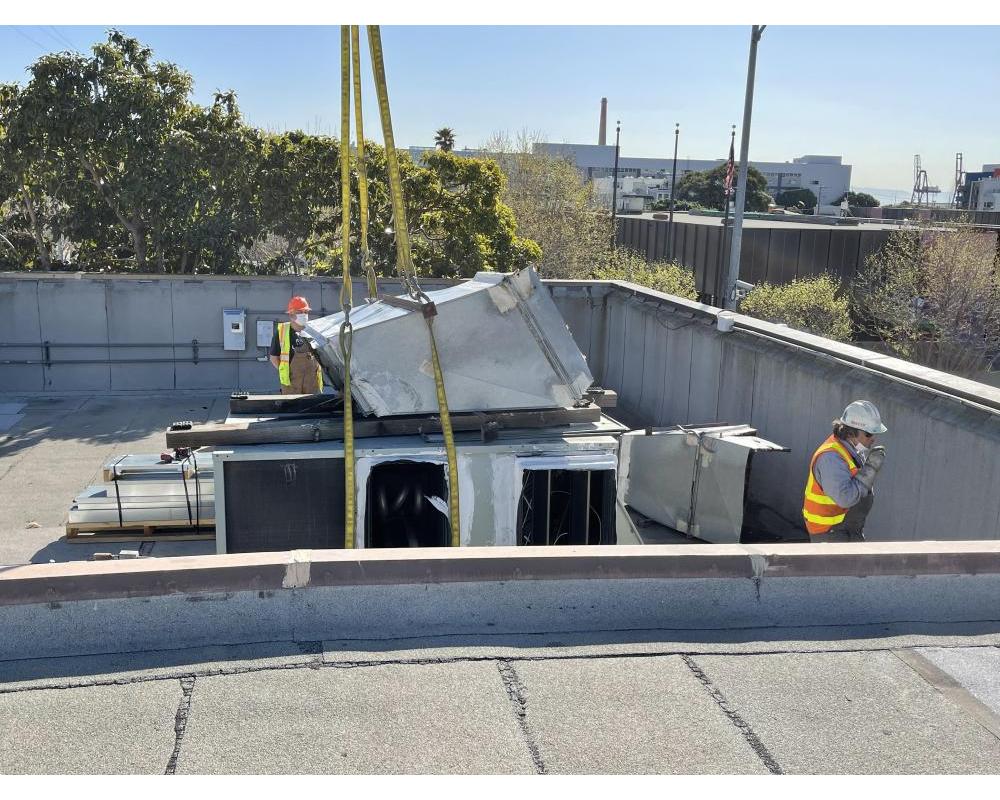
825	176
981	190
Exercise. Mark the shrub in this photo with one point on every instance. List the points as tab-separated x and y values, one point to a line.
812	304
663	276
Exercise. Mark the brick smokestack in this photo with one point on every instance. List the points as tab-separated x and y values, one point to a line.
602	135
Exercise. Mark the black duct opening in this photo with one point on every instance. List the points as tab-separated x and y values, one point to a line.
399	512
572	507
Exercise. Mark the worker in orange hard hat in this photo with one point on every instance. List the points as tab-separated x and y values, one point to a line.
292	355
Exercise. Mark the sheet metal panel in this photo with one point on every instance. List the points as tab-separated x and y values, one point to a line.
197	314
75	312
140	312
655	476
501	341
19	323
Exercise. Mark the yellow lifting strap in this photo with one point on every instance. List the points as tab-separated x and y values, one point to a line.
346	288
366	263
408	276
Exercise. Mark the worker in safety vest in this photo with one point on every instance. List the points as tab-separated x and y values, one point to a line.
839	490
292	355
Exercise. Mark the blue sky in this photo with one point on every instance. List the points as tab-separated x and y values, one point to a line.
876	96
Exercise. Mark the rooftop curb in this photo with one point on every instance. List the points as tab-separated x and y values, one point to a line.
300	569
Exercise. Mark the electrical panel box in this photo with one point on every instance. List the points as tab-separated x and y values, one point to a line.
234	335
265	332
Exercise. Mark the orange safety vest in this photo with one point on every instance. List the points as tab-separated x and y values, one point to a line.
285	358
819	511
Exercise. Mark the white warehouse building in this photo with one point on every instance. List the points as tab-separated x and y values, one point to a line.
826	176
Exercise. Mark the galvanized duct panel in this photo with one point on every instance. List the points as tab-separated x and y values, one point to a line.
501	341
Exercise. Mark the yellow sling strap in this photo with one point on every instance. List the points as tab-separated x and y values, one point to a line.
407	273
346	288
366	263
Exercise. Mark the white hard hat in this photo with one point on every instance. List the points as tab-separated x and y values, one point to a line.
863	415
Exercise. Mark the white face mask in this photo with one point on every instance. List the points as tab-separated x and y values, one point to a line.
862	450
302	319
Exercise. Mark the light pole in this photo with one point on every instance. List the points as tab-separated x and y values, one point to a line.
819	194
614	190
741	189
673	183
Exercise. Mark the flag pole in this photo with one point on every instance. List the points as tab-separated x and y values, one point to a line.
727	192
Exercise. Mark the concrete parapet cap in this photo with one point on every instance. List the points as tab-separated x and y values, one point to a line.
274	572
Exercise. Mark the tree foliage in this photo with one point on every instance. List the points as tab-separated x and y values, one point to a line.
708	189
796	198
815	305
934	297
444	139
553	205
107	163
858	199
663	276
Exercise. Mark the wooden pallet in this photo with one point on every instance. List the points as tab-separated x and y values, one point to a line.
171	530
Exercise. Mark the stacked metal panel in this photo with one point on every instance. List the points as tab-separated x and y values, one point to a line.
692	480
142	491
501	340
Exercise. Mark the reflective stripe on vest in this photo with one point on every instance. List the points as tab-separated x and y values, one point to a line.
285	342
820	511
285	358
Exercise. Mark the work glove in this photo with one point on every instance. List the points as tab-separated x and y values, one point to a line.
866	476
875	458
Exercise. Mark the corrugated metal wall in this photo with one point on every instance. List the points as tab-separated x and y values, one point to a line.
775	255
670	366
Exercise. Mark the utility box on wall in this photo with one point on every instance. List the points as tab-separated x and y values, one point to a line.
234	335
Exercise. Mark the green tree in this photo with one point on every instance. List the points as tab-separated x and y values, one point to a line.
858	199
553	206
934	297
110	116
444	139
663	276
796	198
816	305
460	222
707	188
27	180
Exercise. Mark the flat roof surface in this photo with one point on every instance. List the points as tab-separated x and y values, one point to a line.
815	701
900	698
51	448
698	219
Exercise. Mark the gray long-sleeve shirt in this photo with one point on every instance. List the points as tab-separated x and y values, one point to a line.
835	477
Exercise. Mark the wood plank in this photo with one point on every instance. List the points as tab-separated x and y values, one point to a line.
261	404
139	531
326	428
104	538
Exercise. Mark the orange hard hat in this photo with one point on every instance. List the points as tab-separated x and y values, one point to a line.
297	304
